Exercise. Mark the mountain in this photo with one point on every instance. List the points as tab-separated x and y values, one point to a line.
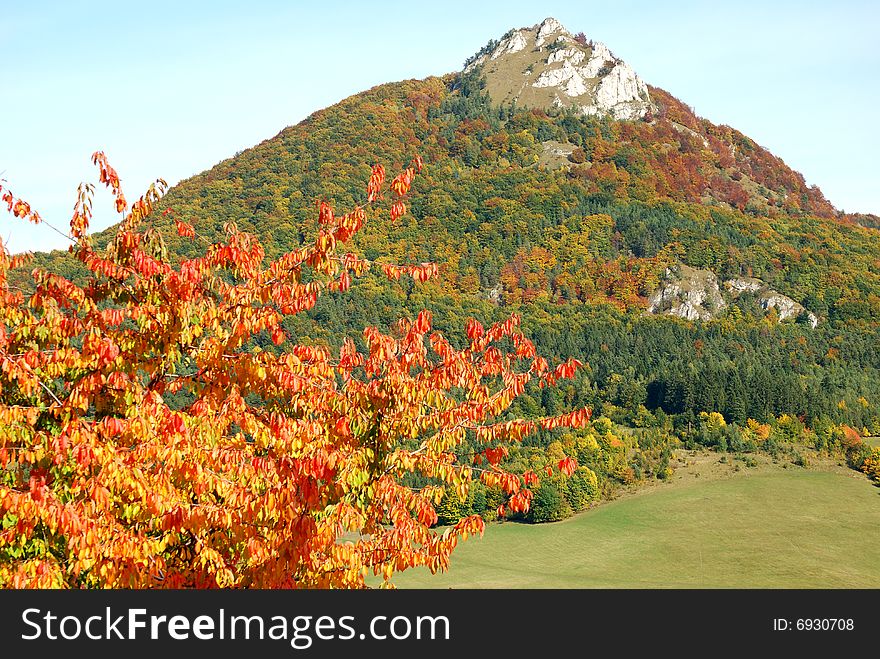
545	66
560	186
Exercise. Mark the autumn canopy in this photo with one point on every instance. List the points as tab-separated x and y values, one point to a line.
146	440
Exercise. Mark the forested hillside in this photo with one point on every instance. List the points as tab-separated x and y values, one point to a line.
576	245
571	222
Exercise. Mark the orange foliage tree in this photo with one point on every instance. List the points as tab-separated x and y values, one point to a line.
147	441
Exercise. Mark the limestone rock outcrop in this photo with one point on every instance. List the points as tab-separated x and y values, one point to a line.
546	66
694	294
769	299
688	293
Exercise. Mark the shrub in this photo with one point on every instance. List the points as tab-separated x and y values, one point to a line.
548	505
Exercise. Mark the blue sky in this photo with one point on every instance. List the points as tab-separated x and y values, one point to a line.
170	88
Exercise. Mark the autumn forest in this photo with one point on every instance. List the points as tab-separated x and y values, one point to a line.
334	356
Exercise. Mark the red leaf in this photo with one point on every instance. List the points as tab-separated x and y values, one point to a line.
185	230
567	466
474	329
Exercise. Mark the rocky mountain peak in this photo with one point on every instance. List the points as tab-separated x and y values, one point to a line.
545	66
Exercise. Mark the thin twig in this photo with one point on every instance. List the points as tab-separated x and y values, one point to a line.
49	391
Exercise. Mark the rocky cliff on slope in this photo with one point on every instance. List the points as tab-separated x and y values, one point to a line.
688	293
546	66
694	294
769	299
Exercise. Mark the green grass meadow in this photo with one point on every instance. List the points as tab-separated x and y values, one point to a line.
786	529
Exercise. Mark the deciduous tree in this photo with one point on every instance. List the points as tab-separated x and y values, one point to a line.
146	440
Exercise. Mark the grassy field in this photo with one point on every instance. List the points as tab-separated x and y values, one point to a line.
872	441
779	528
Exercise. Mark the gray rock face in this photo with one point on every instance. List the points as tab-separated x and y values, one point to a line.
548	27
513	45
744	285
785	307
695	295
688	293
545	66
